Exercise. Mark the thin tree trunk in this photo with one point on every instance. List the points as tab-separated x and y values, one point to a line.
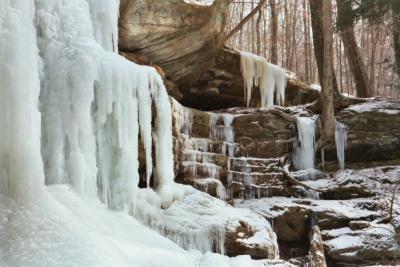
396	34
352	50
258	31
287	35
293	36
241	29
306	44
318	40
274	32
340	67
253	47
328	114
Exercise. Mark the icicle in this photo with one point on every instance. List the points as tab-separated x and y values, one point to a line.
257	72
303	152
21	167
340	140
166	187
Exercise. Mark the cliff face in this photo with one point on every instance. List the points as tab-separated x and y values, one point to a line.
182	38
184	42
221	86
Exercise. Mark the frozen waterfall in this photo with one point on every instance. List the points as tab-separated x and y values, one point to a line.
21	170
93	104
303	151
269	78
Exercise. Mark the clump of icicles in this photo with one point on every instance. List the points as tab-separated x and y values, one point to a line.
269	78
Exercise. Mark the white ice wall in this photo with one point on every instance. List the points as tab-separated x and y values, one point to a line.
21	168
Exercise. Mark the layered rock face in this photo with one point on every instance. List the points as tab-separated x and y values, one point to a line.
373	135
221	86
182	38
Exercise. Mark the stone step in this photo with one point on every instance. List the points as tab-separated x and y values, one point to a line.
251	191
204	157
195	170
272	178
264	162
210	145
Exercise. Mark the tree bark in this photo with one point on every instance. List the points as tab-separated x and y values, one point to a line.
318	39
396	34
352	50
258	30
328	112
274	32
306	44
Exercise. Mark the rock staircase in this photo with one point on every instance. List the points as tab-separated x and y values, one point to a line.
212	161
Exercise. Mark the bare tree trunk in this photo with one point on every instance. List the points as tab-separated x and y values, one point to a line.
306	44
352	50
396	33
318	38
253	48
328	113
258	31
274	32
241	29
374	42
287	35
293	23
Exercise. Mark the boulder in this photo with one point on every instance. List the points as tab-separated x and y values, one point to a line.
378	243
373	136
180	37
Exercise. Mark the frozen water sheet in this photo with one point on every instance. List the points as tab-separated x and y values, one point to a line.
304	146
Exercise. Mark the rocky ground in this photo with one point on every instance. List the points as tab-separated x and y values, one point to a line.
345	217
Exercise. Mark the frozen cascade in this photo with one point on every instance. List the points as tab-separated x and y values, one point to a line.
303	151
340	140
21	167
92	100
93	104
269	78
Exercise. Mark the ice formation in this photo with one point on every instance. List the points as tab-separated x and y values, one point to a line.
340	140
71	114
21	170
304	146
93	103
269	78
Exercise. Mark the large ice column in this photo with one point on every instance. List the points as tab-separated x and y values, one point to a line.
340	140
269	78
21	168
93	102
168	190
303	151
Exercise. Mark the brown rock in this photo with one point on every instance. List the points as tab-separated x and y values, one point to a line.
182	38
317	256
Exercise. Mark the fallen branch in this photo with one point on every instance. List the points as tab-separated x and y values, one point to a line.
244	21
